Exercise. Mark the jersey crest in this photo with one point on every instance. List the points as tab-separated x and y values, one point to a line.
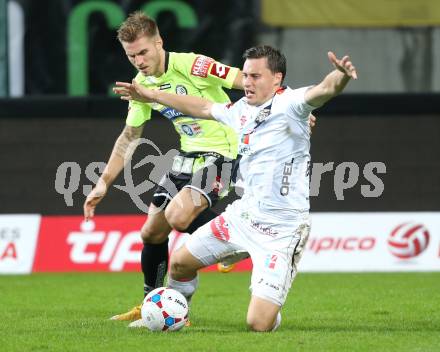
262	115
181	90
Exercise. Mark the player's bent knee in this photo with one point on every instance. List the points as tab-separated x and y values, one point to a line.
153	236
178	220
259	325
262	314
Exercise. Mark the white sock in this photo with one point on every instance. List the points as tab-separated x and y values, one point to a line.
277	322
186	288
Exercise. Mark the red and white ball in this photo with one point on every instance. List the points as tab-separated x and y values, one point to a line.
408	240
164	309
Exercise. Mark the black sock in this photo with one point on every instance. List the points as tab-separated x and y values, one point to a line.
204	217
154	261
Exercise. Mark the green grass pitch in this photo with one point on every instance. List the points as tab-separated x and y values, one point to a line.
324	312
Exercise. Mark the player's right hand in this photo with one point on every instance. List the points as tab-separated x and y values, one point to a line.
92	200
343	65
134	91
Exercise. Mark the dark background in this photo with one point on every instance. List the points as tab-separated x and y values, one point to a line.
47	127
224	30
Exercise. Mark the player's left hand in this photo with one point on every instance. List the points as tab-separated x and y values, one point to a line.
92	200
344	65
133	91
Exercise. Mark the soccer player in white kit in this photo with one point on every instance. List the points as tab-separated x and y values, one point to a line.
271	220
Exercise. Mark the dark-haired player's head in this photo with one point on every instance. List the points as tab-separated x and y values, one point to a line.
264	70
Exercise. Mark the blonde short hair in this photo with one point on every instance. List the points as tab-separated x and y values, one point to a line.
137	24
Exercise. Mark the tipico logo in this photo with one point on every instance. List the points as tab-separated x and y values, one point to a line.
408	240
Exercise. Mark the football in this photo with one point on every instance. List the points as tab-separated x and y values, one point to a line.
164	309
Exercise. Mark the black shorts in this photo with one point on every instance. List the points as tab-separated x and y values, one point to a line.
206	172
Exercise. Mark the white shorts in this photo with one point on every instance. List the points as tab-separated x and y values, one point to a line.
275	248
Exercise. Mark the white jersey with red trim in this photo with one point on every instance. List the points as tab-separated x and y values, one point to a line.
274	141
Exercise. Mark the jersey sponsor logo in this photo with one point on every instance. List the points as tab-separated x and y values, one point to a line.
191	130
243	120
264	229
219	70
220	228
165	86
171	113
201	65
181	90
285	182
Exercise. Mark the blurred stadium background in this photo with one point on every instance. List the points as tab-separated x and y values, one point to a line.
375	208
59	120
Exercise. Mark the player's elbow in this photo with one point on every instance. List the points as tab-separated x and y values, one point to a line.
132	133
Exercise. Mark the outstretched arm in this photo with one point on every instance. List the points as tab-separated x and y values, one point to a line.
334	83
193	106
189	105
